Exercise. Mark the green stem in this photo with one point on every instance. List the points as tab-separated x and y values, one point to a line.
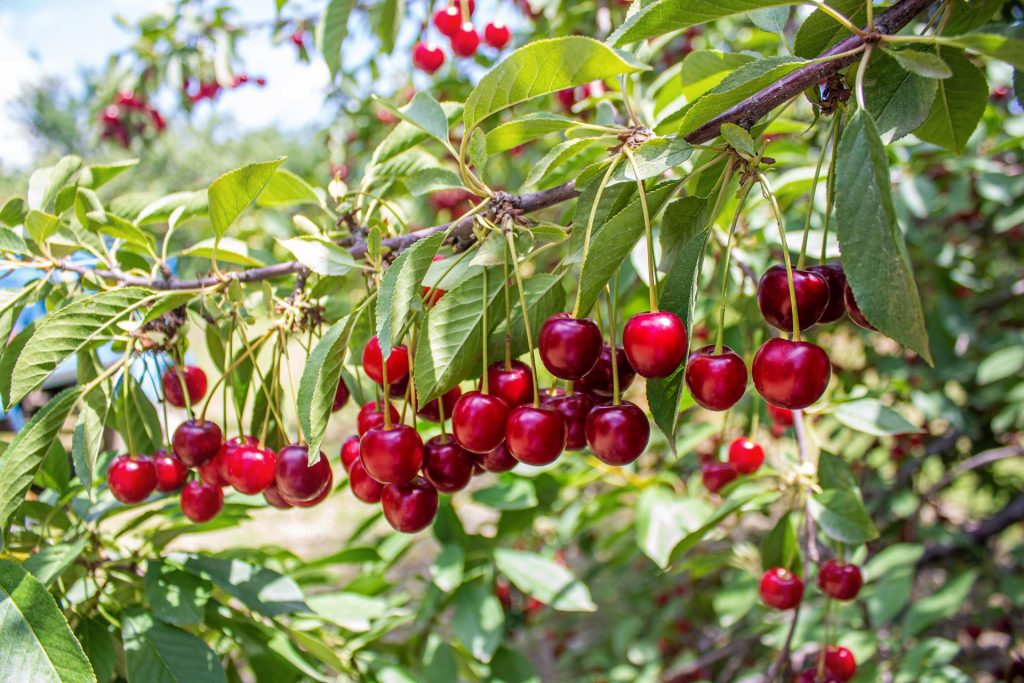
526	316
830	184
230	368
508	309
859	85
814	189
652	273
725	265
291	384
126	399
766	186
612	334
483	334
590	226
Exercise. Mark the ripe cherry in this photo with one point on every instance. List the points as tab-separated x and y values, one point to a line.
535	436
448	20
201	502
192	377
716	380
274	498
617	434
410	506
349	452
373	362
856	315
466	40
514	384
498	460
391	455
781	589
171	472
364	487
446	464
478	422
840	663
574	410
221	459
599	380
251	469
773	299
298	480
196	441
715	475
569	347
341	395
745	456
432	411
427	57
791	374
497	34
319	498
840	581
299	38
371	415
780	416
811	676
655	343
131	479
836	279
213	471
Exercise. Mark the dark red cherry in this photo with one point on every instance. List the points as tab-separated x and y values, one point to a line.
447	465
364	487
373	362
655	343
340	396
410	506
716	380
836	279
498	460
448	20
811	676
371	415
745	456
791	374
391	455
213	471
535	436
497	34
574	410
427	57
194	380
196	441
854	310
840	663
618	434
432	411
297	480
478	422
569	347
840	581
131	479
715	475
599	380
773	297
780	416
251	469
201	502
466	40
514	385
274	498
781	589
397	390
171	472
349	452
319	498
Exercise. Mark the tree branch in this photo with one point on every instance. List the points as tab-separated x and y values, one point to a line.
1012	513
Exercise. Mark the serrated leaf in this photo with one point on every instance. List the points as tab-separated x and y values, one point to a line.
319	255
424	112
959	103
52	561
331	31
738	138
401	285
12	243
559	154
820	31
427	180
702	70
524	129
1006	46
871	416
663	518
259	588
745	496
319	381
922	63
233	192
546	580
405	136
653	158
899	100
229	250
664	16
841	516
545	296
287	189
94	636
390	22
158	653
770	19
447	569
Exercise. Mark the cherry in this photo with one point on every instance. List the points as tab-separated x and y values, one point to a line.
391	455
427	57
478	422
514	384
341	395
447	20
213	471
299	38
250	469
201	502
811	676
574	410
397	390
498	460
131	479
222	456
319	498
617	434
780	416
569	347
196	441
194	380
371	415
745	456
716	380
715	475
599	380
171	472
781	589
274	498
840	663
854	310
410	506
791	374
655	343
364	487
497	35
535	436
840	581
446	464
297	480
349	452
373	362
836	279
773	299
432	411
466	40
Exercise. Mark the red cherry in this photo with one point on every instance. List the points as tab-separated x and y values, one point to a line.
432	411
448	20
811	292
574	410
781	589
371	415
111	114
410	506
131	479
655	343
497	34
250	469
446	464
466	40
840	581
373	362
617	434
535	436
791	374
745	456
427	57
195	383
716	380
811	676
780	416
840	663
599	380
341	395
854	310
364	487
196	441
297	480
319	498
569	347
201	502
213	472
397	390
478	422
171	472
349	452
513	385
274	498
225	450
391	455
836	279
498	460
715	475
299	38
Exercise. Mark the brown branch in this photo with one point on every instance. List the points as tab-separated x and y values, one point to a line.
982	459
1012	513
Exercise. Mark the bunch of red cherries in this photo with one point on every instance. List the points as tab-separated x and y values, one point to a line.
455	23
198	90
128	116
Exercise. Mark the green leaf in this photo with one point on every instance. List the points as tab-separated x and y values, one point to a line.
525	128
41	226
320	255
968	15
426	180
1000	364
959	103
871	416
558	155
331	31
50	562
779	548
439	661
1007	46
899	100
390	22
738	138
11	243
401	285
820	31
95	638
98	175
842	517
174	208
663	519
770	19
46	183
287	189
479	620
664	16
13	212
229	250
233	192
921	62
448	567
175	596
514	494
940	605
875	256
653	158
424	112
262	590
702	70
745	496
834	473
158	653
542	67
405	136
37	641
546	580
319	381
512	666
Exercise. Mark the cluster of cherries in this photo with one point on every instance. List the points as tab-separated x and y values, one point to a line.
129	116
198	90
455	23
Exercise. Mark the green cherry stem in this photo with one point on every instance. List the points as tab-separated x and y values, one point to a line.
526	315
830	184
612	333
770	196
814	189
508	310
744	191
590	226
652	274
861	69
483	334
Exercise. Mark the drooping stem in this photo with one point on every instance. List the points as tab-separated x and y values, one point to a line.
770	196
830	185
234	364
652	271
291	383
861	69
814	189
483	334
526	315
126	399
612	334
590	226
725	264
508	308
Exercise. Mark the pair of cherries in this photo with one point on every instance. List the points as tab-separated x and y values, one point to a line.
782	589
839	666
745	457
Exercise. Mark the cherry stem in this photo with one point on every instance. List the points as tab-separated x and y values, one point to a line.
590	227
770	196
830	184
291	383
825	633
126	399
722	185
228	370
508	311
726	260
652	274
859	83
612	333
231	353
526	315
483	334
814	190
412	380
